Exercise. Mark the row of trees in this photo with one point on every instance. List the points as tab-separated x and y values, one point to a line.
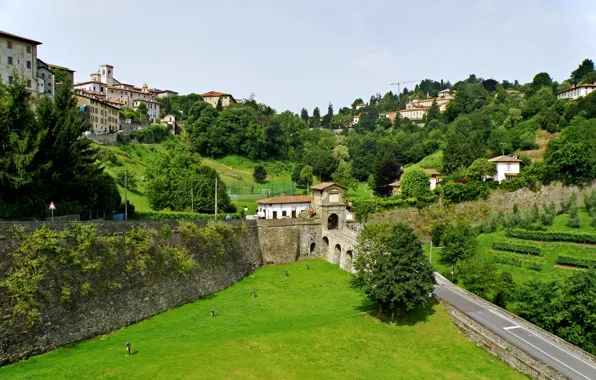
43	158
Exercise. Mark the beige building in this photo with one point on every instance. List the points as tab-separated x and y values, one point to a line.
18	55
212	97
164	93
104	116
416	109
153	108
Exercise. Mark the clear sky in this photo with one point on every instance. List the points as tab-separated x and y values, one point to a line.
294	54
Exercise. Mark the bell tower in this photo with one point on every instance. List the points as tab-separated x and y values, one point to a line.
107	74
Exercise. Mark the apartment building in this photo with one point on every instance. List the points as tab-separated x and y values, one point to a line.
18	56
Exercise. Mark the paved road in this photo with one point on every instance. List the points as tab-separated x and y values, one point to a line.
555	356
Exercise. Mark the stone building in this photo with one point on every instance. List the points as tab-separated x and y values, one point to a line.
213	97
45	79
104	116
18	55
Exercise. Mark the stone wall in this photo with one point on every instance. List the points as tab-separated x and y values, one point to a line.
498	201
286	240
138	298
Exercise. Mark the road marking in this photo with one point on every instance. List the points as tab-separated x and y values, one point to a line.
550	356
560	348
511	327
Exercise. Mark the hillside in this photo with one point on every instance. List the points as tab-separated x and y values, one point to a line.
308	325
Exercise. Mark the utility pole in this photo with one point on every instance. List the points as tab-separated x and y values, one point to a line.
215	198
125	194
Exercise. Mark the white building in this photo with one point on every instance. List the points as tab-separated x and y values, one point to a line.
576	91
282	207
45	79
434	178
18	55
507	167
153	108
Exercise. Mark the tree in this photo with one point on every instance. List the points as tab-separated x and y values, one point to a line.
304	115
219	105
259	174
127	178
415	184
506	290
459	242
357	102
61	76
585	68
343	175
387	170
175	174
391	269
315	120
306	176
464	145
541	80
434	112
478	274
481	168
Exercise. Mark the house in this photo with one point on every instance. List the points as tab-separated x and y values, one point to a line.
104	117
45	79
417	113
391	115
164	93
213	97
576	91
18	54
153	108
434	178
396	188
170	120
507	167
361	105
284	206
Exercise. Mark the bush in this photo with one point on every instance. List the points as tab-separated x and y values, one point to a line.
547	215
460	192
573	220
179	216
437	234
552	236
415	184
566	204
459	242
590	202
576	262
519	262
517	248
259	174
151	134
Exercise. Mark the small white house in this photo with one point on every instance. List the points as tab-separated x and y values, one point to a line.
507	167
282	207
434	178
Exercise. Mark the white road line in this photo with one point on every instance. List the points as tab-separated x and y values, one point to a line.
552	357
511	327
562	349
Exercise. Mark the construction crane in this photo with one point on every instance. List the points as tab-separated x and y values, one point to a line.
400	83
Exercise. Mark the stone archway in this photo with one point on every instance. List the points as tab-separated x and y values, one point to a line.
336	254
348	259
326	246
332	222
313	247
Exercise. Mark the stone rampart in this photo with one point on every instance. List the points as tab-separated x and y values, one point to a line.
135	298
286	240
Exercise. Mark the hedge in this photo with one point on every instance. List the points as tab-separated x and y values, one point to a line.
552	236
180	216
517	248
518	262
576	262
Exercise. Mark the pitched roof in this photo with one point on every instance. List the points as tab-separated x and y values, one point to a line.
212	94
432	171
395	184
323	185
61	68
505	159
89	81
588	85
286	199
14	36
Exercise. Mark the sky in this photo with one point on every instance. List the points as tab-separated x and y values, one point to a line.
294	54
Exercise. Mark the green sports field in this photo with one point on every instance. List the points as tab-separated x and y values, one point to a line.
309	325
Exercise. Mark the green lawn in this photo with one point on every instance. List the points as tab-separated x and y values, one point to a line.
550	271
306	326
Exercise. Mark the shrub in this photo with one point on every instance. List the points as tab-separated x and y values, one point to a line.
259	174
517	248
590	202
461	192
576	262
458	242
566	204
573	220
415	184
178	216
547	215
519	262
552	236
437	234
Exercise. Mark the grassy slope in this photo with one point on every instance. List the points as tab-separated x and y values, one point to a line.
542	139
551	250
308	325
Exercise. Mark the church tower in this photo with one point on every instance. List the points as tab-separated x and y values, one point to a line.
107	74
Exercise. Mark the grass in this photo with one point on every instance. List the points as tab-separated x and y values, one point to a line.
432	161
309	325
551	250
542	139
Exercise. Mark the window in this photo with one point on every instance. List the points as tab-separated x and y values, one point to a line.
10	60
10	44
283	213
28	48
10	79
28	64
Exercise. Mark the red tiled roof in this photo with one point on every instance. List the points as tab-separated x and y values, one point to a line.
14	36
504	159
324	185
214	94
284	199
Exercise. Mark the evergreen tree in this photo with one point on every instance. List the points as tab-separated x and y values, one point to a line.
386	171
585	68
219	105
259	174
304	115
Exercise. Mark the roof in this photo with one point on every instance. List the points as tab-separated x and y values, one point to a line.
146	101
83	94
286	199
505	159
213	94
61	68
130	89
432	171
323	185
89	81
589	85
163	91
14	36
395	184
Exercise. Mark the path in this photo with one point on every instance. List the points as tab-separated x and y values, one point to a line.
550	353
